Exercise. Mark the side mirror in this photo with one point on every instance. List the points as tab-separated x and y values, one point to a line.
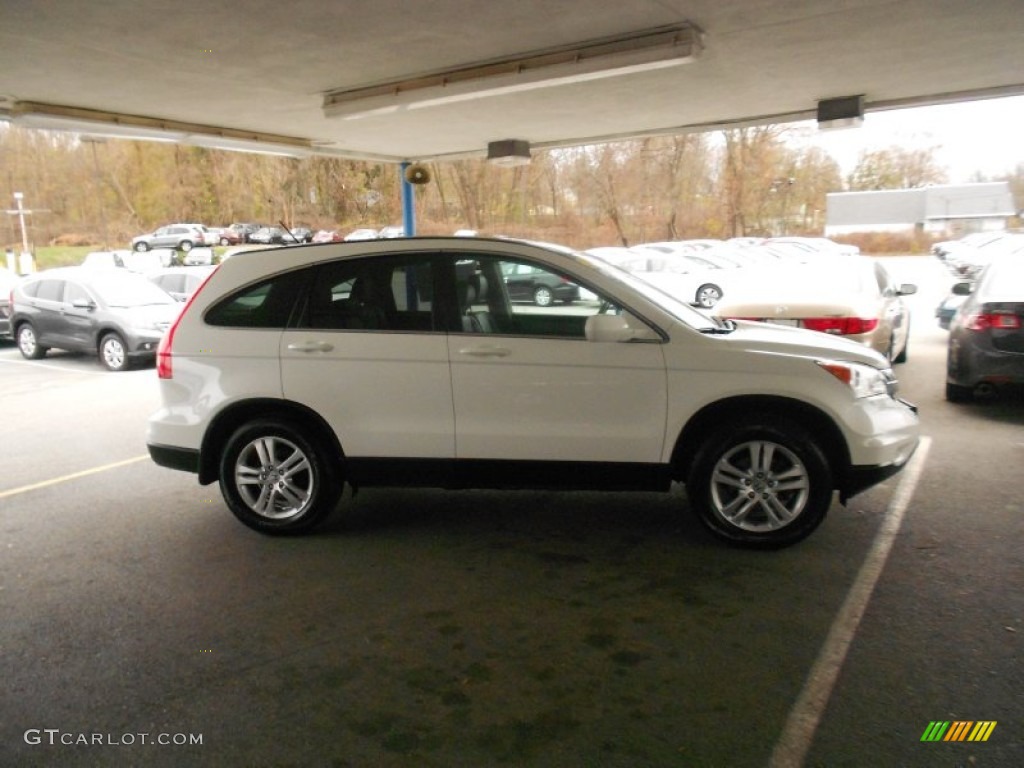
907	289
83	304
618	328
963	289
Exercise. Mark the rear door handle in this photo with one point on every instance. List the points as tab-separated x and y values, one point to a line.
486	351
310	346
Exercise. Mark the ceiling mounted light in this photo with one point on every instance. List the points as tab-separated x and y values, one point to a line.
609	57
90	122
846	112
508	153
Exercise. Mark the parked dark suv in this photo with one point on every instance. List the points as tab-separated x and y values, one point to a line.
115	314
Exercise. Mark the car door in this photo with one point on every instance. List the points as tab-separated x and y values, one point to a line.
78	318
369	354
894	315
529	386
46	303
163	238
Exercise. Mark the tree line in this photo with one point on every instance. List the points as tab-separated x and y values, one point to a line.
755	181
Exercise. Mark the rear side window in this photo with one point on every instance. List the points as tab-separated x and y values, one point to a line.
379	294
171	283
266	304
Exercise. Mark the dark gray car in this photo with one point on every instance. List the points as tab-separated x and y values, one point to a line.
116	315
986	335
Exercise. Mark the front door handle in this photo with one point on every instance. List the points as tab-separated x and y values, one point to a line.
310	346
487	350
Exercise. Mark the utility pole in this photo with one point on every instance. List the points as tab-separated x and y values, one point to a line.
25	262
93	141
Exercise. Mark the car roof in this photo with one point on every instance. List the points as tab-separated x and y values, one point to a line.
251	265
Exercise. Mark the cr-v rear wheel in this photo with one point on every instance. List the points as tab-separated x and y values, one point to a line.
28	344
275	479
764	483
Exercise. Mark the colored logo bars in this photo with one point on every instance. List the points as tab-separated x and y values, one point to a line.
959	730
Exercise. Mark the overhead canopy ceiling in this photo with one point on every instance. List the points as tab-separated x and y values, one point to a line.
256	73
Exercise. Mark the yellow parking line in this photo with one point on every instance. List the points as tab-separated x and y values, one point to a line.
73	476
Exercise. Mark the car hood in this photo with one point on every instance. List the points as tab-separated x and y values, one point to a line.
775	339
148	314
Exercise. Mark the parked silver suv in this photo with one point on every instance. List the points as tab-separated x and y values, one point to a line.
181	237
407	362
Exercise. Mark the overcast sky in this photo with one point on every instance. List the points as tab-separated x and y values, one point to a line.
985	136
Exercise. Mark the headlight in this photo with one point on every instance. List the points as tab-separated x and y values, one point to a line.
864	380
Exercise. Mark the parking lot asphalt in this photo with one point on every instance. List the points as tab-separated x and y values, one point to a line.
142	625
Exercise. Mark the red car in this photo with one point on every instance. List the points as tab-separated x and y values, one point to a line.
328	236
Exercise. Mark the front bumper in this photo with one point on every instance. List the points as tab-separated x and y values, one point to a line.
885	434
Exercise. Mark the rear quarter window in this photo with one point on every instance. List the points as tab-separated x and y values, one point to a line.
266	304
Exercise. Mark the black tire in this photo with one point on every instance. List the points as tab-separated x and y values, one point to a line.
543	296
276	479
707	295
142	246
956	393
185	246
225	241
764	483
113	353
902	356
28	344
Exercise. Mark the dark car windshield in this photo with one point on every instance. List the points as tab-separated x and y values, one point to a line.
126	291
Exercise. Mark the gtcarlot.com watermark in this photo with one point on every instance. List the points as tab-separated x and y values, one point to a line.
54	737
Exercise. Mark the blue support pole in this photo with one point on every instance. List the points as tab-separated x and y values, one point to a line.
408	200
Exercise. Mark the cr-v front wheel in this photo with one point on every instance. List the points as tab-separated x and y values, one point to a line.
765	483
275	479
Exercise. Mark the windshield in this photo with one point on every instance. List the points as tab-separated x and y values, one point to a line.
122	291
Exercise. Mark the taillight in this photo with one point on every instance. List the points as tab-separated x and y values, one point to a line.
164	367
164	349
1000	321
842	326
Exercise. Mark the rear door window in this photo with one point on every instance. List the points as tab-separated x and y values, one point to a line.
50	290
380	294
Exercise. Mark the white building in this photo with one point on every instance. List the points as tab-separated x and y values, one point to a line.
946	210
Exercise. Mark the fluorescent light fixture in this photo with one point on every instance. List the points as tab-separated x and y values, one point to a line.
257	146
598	59
109	130
89	122
845	112
508	153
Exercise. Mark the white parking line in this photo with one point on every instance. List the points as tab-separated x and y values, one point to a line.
803	720
53	366
73	476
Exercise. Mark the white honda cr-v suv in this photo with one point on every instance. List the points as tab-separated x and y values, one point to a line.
424	362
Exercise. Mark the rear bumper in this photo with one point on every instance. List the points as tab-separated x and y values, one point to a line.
183	459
